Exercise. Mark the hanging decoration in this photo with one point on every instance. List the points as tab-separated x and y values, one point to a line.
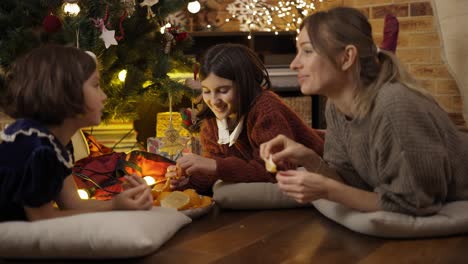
121	29
149	4
172	35
172	143
51	23
129	6
170	40
177	19
117	32
108	36
179	35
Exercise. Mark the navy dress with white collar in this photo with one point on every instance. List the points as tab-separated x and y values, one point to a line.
33	166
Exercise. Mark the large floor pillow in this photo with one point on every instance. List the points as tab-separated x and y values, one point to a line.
115	234
255	195
450	220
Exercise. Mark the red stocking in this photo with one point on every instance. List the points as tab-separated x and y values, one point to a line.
390	38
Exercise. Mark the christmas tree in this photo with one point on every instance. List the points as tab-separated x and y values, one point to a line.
135	42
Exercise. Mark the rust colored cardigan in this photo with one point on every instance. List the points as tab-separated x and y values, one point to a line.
268	117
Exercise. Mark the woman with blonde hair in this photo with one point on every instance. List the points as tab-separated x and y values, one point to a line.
389	146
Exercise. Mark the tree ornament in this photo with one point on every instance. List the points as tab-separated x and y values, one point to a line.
149	4
51	23
122	32
129	6
178	18
172	142
178	34
169	40
108	36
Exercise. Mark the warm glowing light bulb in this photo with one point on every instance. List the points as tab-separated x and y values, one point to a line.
122	75
84	195
149	180
193	7
71	9
147	83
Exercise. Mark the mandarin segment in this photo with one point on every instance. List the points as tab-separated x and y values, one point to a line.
205	201
161	196
270	166
177	200
194	197
161	187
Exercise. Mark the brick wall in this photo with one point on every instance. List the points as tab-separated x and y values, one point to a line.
419	45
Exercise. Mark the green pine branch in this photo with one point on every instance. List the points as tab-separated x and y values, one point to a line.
142	51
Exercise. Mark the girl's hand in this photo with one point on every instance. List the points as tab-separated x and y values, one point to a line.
135	198
284	149
193	164
132	181
177	177
190	165
303	186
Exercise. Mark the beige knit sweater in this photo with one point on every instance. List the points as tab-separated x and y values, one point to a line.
406	149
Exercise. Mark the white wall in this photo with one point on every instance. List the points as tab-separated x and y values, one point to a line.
452	16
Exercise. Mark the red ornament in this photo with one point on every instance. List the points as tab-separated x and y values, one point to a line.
51	23
181	36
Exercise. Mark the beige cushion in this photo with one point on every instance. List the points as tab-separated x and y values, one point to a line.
451	219
255	195
115	234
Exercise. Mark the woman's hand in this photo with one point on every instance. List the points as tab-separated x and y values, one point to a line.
303	186
134	198
284	149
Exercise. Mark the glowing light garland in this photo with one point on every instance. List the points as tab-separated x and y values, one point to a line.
259	15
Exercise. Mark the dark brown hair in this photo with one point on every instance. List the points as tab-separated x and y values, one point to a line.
46	84
243	67
331	31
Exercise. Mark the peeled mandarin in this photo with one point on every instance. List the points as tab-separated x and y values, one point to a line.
194	197
162	195
161	187
177	200
205	201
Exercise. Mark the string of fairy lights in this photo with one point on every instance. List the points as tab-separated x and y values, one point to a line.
260	15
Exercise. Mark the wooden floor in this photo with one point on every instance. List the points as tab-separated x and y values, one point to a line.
291	236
